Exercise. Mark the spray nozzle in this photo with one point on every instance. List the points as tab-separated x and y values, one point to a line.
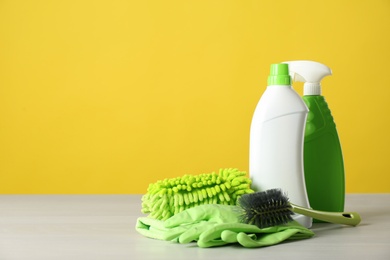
309	72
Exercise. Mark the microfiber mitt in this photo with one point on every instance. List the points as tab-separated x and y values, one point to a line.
168	197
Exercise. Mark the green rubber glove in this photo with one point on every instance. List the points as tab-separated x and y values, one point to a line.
222	226
251	236
216	225
195	220
154	228
201	218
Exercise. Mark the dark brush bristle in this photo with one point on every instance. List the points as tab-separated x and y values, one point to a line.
265	209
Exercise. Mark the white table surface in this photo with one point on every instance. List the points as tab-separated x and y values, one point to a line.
102	227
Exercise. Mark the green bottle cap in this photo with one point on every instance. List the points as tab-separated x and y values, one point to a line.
279	75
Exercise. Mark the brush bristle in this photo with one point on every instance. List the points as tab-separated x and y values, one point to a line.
265	209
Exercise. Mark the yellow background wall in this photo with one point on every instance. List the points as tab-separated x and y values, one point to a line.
109	96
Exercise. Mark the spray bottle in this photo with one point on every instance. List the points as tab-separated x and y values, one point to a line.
323	159
276	140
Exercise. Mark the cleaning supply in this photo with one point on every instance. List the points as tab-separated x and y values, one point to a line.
272	207
212	225
323	159
168	197
276	140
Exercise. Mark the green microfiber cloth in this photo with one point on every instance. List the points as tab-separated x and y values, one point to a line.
168	197
218	225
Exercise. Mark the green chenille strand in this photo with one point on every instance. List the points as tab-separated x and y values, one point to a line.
168	197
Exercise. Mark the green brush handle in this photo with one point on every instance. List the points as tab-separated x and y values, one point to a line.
346	218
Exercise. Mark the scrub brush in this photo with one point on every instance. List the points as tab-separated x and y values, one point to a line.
272	207
168	197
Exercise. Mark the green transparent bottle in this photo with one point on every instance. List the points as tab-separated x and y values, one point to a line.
323	158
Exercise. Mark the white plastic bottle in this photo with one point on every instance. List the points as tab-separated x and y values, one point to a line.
276	141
